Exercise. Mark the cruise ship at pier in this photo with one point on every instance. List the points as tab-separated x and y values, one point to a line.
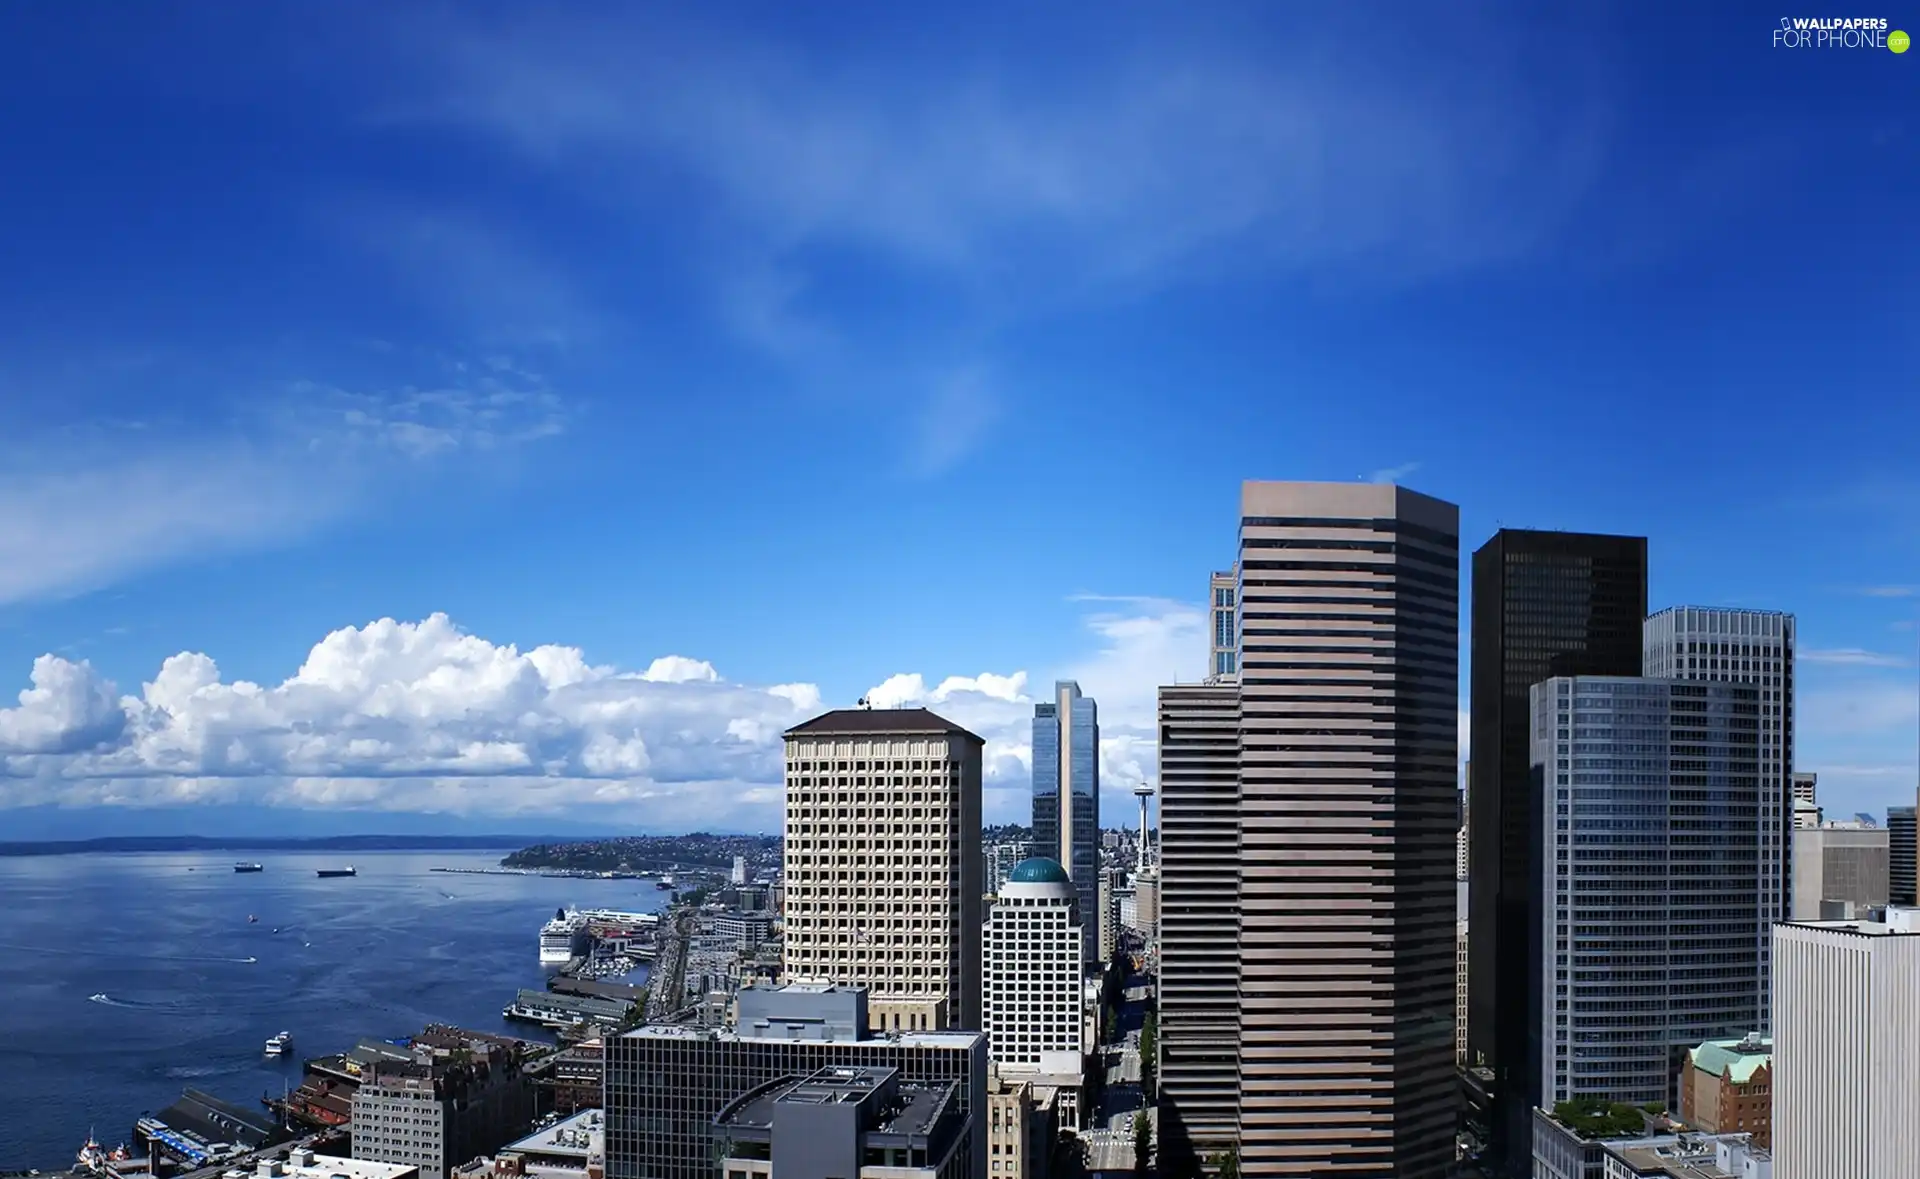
571	932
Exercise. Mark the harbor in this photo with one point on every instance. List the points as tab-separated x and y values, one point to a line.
264	977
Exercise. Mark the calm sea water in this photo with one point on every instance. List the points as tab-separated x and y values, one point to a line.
126	978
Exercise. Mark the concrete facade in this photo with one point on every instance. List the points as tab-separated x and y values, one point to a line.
1200	872
1840	870
1349	621
883	864
1846	1011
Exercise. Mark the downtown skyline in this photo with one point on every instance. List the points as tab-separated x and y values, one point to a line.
566	385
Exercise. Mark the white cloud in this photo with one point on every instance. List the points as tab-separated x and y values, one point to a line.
423	717
1891	591
1851	657
1170	154
1393	474
80	507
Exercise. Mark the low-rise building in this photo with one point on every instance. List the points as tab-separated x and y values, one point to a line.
441	1106
667	1084
1727	1088
744	931
571	1149
304	1164
1023	1126
845	1120
1687	1156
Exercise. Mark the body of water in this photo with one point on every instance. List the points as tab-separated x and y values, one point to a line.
126	978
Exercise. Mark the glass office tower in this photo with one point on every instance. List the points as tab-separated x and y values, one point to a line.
1544	604
1066	794
1656	922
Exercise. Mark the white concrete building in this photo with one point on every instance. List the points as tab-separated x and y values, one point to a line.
1031	1004
1846	1048
882	862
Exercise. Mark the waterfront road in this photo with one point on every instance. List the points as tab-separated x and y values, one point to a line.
667	985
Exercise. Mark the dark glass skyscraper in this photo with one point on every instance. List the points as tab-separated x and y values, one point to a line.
1545	604
1900	855
1066	794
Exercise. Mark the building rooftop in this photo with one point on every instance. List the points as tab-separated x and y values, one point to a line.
304	1164
674	1031
1737	1060
579	1136
904	1108
881	720
1038	870
1901	922
1687	1156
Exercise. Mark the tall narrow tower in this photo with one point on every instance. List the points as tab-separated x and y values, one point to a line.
1066	792
1544	604
1143	792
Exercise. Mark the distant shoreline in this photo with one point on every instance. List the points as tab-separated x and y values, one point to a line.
195	843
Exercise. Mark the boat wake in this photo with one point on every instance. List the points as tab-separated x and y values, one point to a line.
107	1000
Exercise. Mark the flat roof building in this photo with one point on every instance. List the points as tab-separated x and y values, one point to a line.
891	903
1846	1011
844	1120
667	1084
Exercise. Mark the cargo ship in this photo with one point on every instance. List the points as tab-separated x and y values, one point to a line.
330	873
249	868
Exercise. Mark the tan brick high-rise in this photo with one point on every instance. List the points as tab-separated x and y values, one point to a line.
882	863
1349	688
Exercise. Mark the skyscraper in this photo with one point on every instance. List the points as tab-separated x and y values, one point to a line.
1348	670
1224	659
1900	855
883	865
1066	793
1655	881
1753	647
1200	871
1032	1007
1844	1045
1544	604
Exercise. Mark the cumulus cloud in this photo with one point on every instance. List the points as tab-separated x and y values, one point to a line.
403	716
425	717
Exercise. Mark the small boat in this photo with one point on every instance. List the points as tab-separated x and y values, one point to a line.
252	920
330	873
278	1045
249	868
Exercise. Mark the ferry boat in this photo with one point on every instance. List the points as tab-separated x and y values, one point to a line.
664	882
249	868
564	938
278	1045
330	873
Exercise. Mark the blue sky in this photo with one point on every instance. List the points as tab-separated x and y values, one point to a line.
819	348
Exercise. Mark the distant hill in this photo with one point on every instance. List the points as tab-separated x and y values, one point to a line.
183	843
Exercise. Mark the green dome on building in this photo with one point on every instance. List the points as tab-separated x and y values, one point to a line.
1038	870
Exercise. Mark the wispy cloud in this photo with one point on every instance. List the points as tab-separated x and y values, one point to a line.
953	421
1850	657
1890	591
1164	156
483	279
1393	474
106	503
